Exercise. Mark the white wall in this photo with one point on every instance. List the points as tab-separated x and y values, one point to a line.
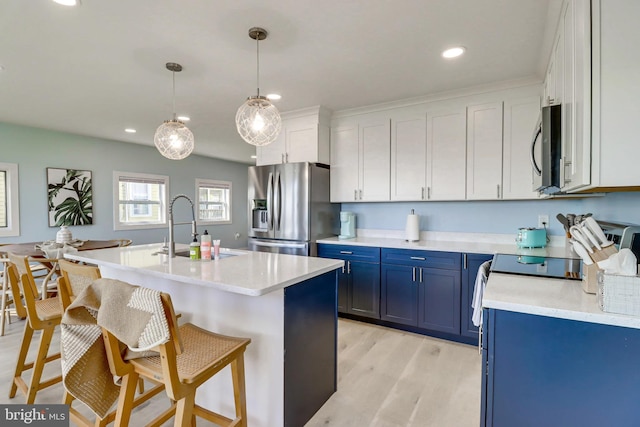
36	149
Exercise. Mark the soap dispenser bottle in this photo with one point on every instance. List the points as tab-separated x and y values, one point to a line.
194	249
205	246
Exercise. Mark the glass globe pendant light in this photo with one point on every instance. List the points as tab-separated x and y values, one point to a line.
258	120
173	139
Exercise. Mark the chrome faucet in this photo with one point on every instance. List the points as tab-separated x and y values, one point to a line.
194	233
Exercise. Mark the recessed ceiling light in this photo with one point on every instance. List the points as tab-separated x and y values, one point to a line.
253	156
130	130
184	118
453	52
274	96
68	2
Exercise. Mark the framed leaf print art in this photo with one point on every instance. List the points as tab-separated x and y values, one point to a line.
69	197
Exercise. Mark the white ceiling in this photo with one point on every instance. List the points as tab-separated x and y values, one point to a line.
99	68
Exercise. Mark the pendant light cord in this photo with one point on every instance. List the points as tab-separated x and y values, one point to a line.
174	94
258	64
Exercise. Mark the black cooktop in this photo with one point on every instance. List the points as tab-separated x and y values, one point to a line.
528	265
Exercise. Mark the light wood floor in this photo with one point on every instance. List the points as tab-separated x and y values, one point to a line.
386	378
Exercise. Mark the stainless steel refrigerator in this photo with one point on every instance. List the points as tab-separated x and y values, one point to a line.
289	208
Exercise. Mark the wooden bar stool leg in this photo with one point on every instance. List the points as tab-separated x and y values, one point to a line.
184	410
38	364
239	391
22	357
126	398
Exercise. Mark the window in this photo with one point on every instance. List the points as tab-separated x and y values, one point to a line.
214	201
140	200
9	200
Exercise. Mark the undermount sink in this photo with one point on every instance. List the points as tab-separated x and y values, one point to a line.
222	255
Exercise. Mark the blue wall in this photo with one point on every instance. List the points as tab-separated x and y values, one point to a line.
494	217
35	149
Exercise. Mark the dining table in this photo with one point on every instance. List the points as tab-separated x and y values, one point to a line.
36	255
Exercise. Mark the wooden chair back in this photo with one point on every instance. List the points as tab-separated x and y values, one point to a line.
23	284
21	263
74	278
11	273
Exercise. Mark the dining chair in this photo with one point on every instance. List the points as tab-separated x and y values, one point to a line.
191	357
42	315
7	298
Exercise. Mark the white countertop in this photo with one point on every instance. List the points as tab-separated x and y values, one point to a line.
248	273
463	246
559	298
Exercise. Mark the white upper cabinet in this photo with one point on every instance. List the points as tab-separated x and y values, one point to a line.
520	118
484	151
360	160
408	156
345	161
304	138
616	90
375	167
446	154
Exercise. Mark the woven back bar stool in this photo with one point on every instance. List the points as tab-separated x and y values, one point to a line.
191	357
42	315
75	277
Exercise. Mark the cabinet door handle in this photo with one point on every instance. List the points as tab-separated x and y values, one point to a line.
286	157
428	193
413	269
360	191
282	158
498	186
480	339
355	194
348	267
422	193
346	252
343	268
420	275
419	258
464	261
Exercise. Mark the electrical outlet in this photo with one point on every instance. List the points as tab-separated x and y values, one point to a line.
543	221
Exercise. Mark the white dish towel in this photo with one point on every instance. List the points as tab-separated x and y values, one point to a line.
478	291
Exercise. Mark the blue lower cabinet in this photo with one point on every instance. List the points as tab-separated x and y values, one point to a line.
545	371
399	294
470	265
439	300
364	289
358	280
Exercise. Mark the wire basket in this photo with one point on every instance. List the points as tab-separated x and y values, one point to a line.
619	294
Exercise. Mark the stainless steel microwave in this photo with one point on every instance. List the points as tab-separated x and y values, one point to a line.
546	157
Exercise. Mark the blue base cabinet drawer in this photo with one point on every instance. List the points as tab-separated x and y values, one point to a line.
418	258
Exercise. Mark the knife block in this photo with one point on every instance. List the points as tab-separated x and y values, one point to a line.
590	278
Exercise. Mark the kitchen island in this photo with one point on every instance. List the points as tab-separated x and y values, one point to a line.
552	357
284	303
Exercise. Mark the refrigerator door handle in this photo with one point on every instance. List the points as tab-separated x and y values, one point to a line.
270	202
278	204
279	245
